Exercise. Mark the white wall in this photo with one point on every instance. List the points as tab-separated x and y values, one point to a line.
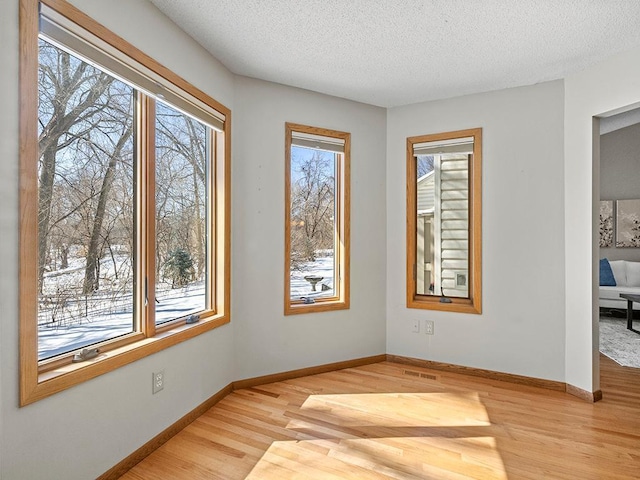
266	340
601	89
83	431
521	329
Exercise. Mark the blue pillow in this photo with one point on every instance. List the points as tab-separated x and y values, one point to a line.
606	274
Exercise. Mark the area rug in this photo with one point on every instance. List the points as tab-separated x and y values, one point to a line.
619	344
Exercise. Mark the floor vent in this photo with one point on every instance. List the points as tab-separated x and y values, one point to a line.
413	373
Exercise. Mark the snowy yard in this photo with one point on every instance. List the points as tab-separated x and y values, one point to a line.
56	339
322	267
68	322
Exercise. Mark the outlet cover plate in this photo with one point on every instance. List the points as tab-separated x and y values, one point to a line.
158	381
428	327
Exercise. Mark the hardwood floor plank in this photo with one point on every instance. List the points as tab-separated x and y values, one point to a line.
394	421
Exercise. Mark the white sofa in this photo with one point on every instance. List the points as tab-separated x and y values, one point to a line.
627	275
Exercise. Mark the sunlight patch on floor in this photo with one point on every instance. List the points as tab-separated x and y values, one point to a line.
389	435
401	409
441	458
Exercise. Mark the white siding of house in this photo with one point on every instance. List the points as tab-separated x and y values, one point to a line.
454	214
426	193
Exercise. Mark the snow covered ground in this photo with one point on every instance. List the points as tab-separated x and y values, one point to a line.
82	321
68	320
56	339
322	267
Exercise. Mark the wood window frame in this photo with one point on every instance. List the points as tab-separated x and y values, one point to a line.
472	304
40	379
340	301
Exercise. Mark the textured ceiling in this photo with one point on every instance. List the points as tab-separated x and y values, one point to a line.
396	52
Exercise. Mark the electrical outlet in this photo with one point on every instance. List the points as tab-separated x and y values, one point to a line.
158	381
428	327
416	326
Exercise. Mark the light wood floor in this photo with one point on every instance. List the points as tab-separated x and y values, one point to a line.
381	421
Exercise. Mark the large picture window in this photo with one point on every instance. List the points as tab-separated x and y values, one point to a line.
316	219
124	203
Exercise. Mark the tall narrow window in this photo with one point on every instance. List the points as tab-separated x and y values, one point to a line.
316	219
444	221
125	167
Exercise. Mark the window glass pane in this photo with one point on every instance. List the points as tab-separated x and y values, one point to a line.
442	225
313	214
454	226
86	235
181	214
426	202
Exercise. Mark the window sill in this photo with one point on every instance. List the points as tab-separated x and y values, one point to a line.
326	306
59	378
460	305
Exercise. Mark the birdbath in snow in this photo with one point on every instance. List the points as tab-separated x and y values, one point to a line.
313	280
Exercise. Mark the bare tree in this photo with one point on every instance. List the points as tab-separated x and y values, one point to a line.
88	191
181	177
312	205
425	164
91	278
73	98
